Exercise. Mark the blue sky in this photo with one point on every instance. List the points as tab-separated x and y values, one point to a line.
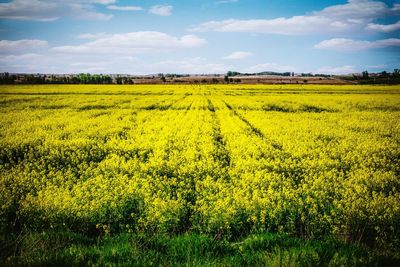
199	36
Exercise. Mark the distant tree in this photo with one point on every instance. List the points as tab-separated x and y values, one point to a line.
226	79
233	73
107	79
384	74
365	75
118	80
396	73
75	80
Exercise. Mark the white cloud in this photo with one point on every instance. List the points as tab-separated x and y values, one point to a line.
104	53
350	17
112	44
357	9
161	10
347	69
384	28
125	8
133	43
19	58
291	26
49	62
380	66
91	67
342	44
48	10
92	35
189	66
7	46
269	67
227	1
73	63
238	55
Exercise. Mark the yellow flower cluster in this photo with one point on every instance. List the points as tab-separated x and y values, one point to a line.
221	159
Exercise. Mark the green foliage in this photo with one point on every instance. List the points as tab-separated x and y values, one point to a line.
70	249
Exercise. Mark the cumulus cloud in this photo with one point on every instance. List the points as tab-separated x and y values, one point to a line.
343	44
384	28
347	69
238	55
161	10
48	10
125	8
349	17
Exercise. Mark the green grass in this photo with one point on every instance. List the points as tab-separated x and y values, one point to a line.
70	249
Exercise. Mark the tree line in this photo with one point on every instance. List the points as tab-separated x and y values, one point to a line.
82	78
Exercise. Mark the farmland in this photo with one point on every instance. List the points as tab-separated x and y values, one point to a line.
249	174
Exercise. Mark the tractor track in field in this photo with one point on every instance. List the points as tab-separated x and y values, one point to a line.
253	129
160	106
221	154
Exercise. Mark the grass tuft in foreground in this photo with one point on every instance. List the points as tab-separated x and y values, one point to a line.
71	249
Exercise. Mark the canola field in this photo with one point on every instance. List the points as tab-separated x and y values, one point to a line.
220	160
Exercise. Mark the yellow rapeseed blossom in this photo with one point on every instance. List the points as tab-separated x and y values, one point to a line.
221	159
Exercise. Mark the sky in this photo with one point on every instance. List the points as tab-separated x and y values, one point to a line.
199	36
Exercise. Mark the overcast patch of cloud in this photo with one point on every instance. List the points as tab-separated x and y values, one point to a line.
384	28
343	44
346	69
189	65
132	43
48	10
73	63
125	8
379	66
270	67
8	46
104	53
